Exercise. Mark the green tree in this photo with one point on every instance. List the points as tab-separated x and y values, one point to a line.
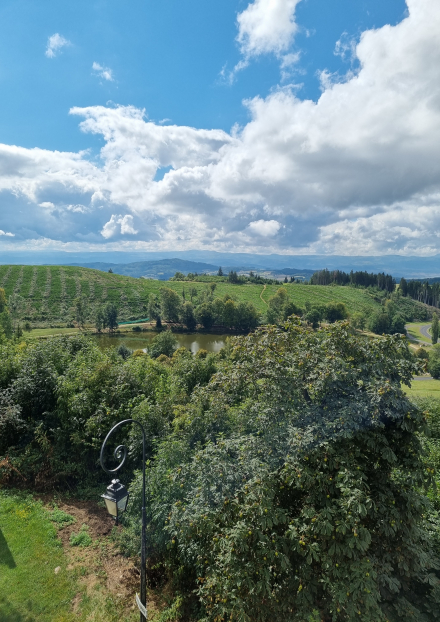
379	323
16	305
434	328
403	287
229	313
275	306
358	320
292	484
397	324
170	304
290	308
220	272
335	311
6	323
193	292
187	316
205	315
111	316
99	319
233	277
154	310
434	361
246	316
313	317
2	300
164	343
80	311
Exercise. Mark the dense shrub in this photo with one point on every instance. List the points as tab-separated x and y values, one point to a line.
164	343
291	485
434	361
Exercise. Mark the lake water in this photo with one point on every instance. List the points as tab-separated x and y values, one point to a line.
140	341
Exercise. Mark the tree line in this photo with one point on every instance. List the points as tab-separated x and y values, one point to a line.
232	277
359	278
193	307
421	291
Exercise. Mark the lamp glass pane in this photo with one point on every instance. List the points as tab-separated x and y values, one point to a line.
111	507
122	503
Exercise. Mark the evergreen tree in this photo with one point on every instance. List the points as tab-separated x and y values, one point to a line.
434	328
403	287
220	272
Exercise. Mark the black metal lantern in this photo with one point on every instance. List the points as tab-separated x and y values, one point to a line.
116	499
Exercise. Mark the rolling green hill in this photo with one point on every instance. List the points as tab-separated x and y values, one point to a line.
48	293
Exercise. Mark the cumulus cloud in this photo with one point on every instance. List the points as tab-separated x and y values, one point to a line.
55	43
103	72
6	234
122	224
356	171
266	26
265	228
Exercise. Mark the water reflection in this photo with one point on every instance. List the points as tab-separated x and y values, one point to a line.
192	341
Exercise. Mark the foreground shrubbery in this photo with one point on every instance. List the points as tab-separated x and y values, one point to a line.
286	475
291	486
58	399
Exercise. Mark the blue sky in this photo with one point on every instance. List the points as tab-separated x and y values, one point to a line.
165	56
220	125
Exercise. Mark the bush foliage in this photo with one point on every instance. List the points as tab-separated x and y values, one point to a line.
292	484
288	476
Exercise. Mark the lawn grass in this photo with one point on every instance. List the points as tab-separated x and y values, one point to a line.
30	551
414	331
49	293
30	591
424	388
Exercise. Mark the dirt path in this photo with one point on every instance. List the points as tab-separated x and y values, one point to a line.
100	564
261	295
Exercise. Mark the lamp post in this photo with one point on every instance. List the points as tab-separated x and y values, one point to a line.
116	499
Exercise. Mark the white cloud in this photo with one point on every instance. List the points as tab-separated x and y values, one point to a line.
124	224
8	235
103	72
265	228
356	171
55	43
266	26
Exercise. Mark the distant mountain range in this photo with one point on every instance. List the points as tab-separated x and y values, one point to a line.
397	265
163	269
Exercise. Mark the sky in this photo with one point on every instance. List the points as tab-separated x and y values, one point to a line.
270	126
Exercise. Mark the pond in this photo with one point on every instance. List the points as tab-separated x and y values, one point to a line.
140	341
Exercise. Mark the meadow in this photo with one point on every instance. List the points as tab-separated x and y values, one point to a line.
49	292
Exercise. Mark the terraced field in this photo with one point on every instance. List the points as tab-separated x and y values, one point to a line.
49	292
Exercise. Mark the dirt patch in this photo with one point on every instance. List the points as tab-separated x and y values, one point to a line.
100	564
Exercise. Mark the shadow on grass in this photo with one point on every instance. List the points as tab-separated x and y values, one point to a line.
5	554
9	613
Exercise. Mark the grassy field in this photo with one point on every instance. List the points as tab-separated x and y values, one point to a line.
29	553
414	331
49	293
424	388
45	576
